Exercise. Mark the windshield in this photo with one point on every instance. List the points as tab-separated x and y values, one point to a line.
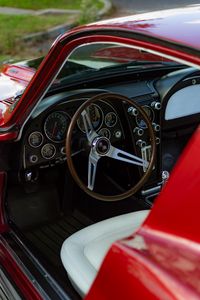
90	58
96	58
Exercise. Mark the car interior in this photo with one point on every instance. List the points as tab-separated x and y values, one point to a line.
127	115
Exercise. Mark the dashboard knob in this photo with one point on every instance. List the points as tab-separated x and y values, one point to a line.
165	176
141	143
138	131
62	150
118	134
156	127
156	105
33	158
132	111
157	140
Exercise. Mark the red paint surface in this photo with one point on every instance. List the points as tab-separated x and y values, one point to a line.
15	272
18	73
176	25
122	54
178	205
162	260
3	225
8	136
127	273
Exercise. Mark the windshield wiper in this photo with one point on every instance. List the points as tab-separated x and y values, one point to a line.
138	64
133	65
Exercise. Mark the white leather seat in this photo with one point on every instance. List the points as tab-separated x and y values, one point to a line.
83	252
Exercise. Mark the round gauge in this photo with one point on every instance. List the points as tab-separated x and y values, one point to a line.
35	139
55	126
105	132
150	114
96	117
110	119
48	151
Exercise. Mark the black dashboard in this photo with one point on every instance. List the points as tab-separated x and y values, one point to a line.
43	140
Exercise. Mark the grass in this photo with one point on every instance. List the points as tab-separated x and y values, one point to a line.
42	4
14	27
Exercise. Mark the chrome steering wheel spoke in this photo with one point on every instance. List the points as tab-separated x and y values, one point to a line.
121	155
89	130
92	167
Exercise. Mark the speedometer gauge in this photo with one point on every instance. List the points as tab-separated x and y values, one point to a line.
96	117
55	126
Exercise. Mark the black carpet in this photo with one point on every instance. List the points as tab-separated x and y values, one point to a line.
48	238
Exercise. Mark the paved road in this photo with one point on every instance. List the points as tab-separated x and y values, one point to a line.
134	6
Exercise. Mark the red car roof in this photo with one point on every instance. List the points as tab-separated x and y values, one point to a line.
180	26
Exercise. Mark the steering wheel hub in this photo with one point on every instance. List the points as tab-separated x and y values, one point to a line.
101	145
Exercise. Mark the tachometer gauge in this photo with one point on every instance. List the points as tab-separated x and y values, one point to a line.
55	126
35	139
139	119
48	151
96	117
110	119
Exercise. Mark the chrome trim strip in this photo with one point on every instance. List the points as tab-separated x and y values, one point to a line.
150	191
25	270
7	290
60	292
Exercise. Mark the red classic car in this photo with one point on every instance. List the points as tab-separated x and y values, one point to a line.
89	137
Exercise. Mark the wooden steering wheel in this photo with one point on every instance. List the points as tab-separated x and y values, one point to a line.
101	146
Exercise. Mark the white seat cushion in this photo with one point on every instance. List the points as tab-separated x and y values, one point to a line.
83	252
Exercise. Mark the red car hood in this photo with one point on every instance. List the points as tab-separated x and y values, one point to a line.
13	81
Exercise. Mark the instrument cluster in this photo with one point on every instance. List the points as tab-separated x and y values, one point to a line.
45	138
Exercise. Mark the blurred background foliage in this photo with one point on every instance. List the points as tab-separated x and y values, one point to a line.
14	27
41	4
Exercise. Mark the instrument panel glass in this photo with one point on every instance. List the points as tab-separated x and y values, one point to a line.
55	126
96	117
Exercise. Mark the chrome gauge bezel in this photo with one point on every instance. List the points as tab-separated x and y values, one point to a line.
67	123
102	119
29	139
43	156
113	113
151	119
104	128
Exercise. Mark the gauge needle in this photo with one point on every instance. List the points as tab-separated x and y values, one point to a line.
54	129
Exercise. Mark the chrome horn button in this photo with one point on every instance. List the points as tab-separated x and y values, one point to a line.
101	145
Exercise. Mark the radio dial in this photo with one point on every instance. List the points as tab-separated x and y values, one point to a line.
156	127
138	131
132	111
33	158
156	105
141	143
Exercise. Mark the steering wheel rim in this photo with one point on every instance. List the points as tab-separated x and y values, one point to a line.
76	116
